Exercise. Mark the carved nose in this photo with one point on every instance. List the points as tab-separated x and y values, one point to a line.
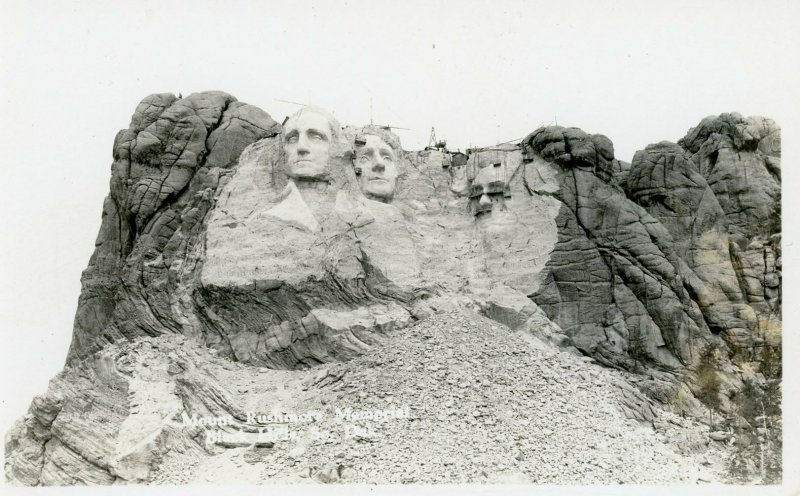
484	201
378	167
302	145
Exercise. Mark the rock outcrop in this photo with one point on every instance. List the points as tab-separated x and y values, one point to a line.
167	166
613	281
740	160
230	242
718	193
669	247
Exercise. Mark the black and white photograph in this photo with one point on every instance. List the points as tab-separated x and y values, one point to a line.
395	247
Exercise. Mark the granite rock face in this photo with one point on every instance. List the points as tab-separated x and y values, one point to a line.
667	185
112	419
636	264
282	254
215	235
658	257
740	160
167	166
613	281
718	193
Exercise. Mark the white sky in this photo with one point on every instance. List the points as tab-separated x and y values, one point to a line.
480	72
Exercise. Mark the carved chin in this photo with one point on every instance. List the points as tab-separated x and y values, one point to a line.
308	170
379	188
459	187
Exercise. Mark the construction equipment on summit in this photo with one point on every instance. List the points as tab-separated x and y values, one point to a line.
434	144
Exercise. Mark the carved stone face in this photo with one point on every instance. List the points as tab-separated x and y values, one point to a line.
459	182
307	146
527	153
487	192
377	161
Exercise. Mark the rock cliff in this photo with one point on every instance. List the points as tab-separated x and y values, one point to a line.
219	233
166	170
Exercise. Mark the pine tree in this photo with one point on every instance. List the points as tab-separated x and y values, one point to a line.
709	381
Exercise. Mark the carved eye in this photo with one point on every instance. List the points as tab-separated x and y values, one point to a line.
363	159
292	139
387	157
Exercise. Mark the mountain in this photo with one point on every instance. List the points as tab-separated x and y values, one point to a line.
534	298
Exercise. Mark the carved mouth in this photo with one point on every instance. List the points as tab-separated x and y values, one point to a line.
479	210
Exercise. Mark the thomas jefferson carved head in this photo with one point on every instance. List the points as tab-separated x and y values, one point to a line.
376	155
308	136
459	182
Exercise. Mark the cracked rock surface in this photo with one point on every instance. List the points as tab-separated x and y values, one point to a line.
218	287
167	166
